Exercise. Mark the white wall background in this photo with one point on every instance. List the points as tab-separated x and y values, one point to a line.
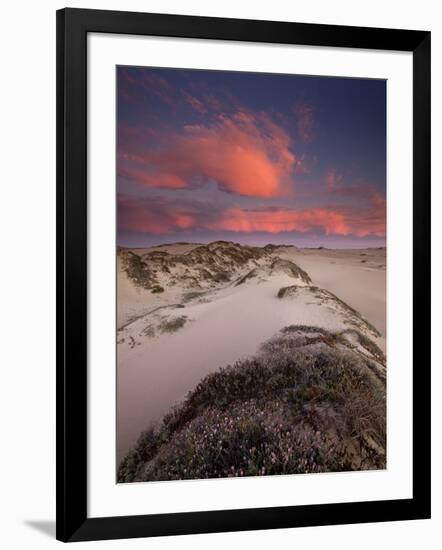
27	272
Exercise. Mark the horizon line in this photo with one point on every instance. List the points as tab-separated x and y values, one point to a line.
320	247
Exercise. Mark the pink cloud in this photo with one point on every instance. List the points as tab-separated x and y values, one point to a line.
369	216
370	220
169	181
140	216
196	103
331	221
152	84
244	153
306	120
166	216
284	220
332	179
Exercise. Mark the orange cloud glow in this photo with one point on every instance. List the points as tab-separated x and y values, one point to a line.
280	221
170	181
163	216
244	154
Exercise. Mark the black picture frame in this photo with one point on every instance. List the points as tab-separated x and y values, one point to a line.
73	25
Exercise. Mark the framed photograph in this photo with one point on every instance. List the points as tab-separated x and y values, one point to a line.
243	284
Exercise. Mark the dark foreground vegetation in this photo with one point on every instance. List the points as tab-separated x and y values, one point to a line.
309	401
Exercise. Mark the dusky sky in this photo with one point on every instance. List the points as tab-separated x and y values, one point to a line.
255	158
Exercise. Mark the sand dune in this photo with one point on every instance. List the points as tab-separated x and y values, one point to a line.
357	276
201	321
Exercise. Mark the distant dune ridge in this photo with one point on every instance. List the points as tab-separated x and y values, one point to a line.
202	266
232	361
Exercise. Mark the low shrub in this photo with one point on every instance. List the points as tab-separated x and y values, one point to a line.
173	324
157	289
307	402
